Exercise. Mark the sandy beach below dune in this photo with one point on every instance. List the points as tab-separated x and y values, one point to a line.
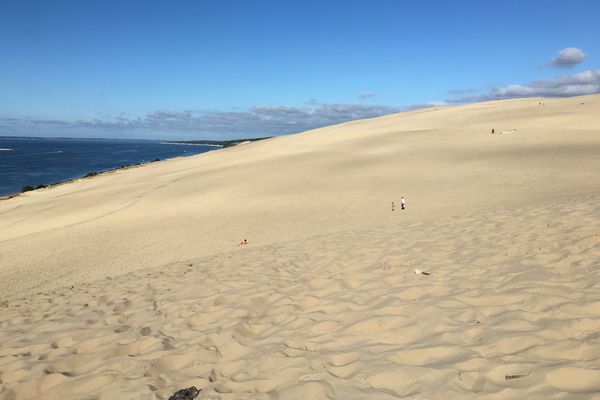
132	283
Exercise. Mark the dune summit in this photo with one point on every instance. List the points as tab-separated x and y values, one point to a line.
133	283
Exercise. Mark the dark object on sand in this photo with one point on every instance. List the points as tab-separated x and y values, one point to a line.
511	377
493	131
425	273
27	189
145	331
186	394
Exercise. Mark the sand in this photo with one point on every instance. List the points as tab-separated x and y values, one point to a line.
132	284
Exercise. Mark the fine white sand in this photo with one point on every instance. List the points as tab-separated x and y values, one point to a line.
132	284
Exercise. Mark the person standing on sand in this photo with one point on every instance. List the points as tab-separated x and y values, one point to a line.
402	202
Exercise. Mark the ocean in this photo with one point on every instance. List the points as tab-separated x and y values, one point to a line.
39	161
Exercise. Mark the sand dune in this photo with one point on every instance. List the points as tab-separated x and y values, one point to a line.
131	284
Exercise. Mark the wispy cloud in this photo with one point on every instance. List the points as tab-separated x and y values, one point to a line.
256	121
568	58
587	82
462	91
366	95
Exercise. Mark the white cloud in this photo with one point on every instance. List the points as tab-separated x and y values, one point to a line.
568	58
256	121
582	83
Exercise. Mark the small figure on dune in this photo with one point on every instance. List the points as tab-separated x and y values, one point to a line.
492	131
393	206
402	202
243	242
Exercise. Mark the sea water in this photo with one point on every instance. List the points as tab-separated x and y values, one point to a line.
39	161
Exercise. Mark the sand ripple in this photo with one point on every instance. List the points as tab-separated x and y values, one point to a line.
511	310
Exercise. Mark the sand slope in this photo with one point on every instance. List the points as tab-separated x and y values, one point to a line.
335	316
443	160
137	287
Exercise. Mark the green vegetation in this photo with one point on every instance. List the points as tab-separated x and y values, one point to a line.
29	188
224	143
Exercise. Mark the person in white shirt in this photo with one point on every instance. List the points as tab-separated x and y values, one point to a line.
402	202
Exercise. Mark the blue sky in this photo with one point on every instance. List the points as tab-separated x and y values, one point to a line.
226	69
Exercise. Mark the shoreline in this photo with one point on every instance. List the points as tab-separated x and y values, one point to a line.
217	144
90	174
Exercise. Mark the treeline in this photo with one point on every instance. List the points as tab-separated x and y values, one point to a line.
223	143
